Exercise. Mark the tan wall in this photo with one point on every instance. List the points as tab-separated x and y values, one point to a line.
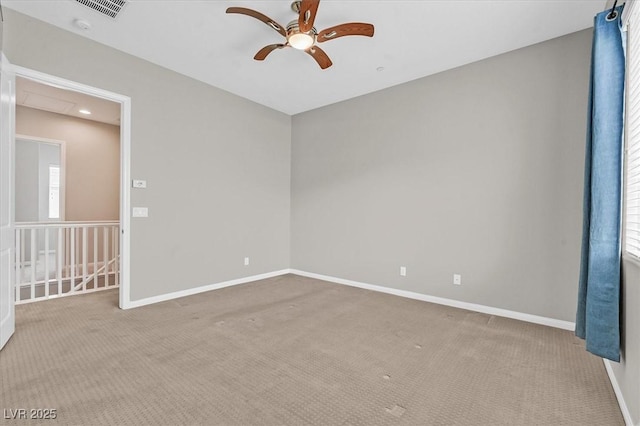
92	161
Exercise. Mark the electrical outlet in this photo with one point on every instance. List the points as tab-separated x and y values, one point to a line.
139	183
246	261
403	271
457	279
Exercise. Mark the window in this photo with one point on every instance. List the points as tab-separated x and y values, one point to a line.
54	192
632	151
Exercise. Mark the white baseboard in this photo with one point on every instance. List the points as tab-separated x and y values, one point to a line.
619	396
551	322
202	289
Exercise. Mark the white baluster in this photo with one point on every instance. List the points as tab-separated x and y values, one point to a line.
19	260
59	259
85	274
95	257
116	253
105	254
46	262
72	238
34	262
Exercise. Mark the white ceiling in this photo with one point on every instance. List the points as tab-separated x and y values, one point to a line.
36	95
413	39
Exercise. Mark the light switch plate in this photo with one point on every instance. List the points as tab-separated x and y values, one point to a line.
139	183
140	212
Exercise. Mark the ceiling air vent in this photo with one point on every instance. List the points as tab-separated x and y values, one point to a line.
111	8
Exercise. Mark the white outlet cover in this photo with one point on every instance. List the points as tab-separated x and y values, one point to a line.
139	183
403	271
246	261
457	279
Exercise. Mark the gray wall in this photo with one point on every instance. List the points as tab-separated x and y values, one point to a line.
1	29
476	171
217	166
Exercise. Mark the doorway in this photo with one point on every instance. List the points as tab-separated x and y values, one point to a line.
75	245
39	179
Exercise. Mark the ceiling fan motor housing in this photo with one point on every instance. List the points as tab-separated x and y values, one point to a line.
293	28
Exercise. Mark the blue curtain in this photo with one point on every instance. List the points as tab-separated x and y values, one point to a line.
598	316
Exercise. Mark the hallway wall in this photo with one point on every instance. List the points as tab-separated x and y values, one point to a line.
92	161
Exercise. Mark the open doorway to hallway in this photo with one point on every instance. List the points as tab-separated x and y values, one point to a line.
68	191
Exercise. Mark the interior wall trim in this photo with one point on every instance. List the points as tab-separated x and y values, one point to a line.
202	289
535	319
626	414
551	322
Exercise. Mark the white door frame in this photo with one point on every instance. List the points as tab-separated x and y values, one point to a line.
7	236
125	163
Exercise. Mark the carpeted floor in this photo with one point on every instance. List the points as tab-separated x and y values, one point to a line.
295	351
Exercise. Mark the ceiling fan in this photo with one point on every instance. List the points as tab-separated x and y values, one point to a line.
301	34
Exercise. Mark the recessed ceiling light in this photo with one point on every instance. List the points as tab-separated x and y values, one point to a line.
85	112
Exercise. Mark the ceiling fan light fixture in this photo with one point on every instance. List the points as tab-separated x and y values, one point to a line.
298	39
301	41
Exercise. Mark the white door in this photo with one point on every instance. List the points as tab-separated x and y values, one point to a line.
7	258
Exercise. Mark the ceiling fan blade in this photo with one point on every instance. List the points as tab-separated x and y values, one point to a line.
308	10
259	16
321	58
262	53
349	29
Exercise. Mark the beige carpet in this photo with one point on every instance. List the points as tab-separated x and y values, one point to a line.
296	351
